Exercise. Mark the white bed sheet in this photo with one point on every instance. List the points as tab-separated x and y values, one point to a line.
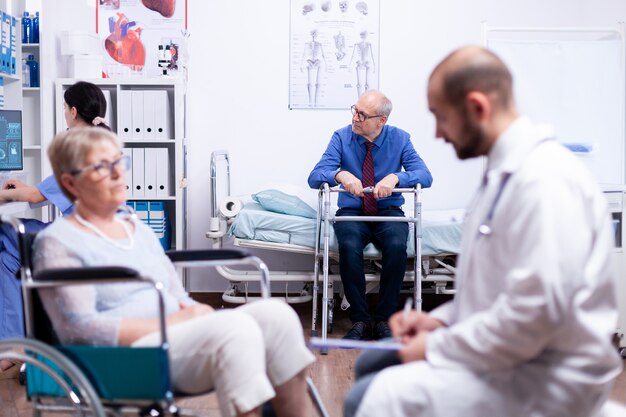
441	230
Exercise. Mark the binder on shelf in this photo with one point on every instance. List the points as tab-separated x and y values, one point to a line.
150	172
149	114
5	43
138	172
163	115
137	115
129	174
13	38
1	93
162	172
108	117
124	105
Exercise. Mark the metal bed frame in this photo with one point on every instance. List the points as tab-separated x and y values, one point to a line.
433	269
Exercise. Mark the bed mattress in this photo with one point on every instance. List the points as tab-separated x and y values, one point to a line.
441	230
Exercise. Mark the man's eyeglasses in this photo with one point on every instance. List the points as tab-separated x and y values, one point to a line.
360	116
105	168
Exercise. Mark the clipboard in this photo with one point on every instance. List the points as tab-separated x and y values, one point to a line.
319	343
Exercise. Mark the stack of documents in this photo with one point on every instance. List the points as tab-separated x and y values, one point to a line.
154	215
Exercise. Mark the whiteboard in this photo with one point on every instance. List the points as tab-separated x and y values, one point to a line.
577	86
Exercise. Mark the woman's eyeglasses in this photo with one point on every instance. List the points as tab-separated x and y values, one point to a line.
105	168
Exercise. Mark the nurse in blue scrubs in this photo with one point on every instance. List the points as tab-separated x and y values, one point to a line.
84	106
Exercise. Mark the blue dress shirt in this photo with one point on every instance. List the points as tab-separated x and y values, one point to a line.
392	152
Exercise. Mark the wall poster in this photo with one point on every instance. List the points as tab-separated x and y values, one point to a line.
141	37
333	52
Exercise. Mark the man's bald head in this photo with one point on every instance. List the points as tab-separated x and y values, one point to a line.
473	68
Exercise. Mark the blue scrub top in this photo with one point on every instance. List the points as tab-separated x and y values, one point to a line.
50	189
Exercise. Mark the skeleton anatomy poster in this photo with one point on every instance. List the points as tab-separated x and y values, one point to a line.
333	52
141	37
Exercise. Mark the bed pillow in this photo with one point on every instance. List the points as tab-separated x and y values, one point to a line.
279	202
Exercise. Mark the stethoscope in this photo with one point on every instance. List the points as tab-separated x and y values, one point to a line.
485	228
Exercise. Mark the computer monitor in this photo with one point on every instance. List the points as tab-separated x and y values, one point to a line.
11	151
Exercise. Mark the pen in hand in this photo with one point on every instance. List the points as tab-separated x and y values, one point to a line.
407	308
405	315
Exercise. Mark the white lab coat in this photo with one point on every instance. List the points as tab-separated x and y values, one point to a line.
530	327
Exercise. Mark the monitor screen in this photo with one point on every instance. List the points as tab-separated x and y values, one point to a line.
11	157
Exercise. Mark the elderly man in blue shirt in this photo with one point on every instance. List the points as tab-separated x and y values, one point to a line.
370	153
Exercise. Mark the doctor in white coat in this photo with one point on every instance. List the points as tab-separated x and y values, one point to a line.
529	331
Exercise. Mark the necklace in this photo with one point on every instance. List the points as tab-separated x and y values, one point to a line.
98	232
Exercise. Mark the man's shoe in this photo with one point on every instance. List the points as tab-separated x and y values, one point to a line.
360	331
382	330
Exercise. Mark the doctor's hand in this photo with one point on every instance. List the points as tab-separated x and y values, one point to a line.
414	349
385	186
350	183
406	327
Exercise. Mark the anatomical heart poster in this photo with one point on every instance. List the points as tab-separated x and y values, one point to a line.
141	37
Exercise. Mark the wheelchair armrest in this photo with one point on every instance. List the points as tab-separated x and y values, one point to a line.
222	258
207	255
86	274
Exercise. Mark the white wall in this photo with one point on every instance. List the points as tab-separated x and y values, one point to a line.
238	92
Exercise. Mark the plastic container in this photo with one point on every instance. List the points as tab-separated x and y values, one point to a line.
85	66
79	43
25	74
35	31
34	70
27	28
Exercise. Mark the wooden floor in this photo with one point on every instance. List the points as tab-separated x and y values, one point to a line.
332	374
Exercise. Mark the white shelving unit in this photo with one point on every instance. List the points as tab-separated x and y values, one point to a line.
34	152
616	197
120	110
32	102
18	98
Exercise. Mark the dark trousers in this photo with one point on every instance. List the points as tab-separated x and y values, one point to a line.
390	238
11	314
367	366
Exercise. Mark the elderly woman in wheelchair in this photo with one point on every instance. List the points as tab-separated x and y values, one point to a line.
248	355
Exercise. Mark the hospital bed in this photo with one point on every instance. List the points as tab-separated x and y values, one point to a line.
255	227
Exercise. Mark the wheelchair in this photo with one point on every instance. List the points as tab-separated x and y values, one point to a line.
87	380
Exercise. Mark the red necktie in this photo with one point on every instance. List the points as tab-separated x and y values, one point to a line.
370	206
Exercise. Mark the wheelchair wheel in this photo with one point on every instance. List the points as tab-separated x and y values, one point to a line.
81	397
